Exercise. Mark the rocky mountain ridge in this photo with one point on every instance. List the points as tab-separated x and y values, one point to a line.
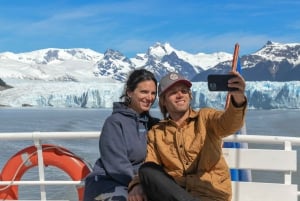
273	62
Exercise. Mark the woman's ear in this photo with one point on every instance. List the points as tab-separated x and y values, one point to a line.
129	93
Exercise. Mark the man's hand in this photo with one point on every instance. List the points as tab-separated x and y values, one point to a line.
239	83
137	194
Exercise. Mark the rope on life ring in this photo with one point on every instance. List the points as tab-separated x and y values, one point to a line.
53	155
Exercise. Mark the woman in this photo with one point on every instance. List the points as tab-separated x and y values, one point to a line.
123	140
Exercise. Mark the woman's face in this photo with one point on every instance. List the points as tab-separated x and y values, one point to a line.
143	96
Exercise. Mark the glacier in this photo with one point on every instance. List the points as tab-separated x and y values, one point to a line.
260	95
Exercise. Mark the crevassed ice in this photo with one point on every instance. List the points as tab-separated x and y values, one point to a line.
261	95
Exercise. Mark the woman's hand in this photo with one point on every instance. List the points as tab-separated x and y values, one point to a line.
137	194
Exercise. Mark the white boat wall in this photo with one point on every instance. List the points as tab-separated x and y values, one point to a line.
281	160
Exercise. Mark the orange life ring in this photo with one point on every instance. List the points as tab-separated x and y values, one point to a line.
8	195
53	155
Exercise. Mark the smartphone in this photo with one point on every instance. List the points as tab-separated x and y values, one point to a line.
219	82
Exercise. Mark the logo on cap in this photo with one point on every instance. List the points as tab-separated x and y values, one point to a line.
174	76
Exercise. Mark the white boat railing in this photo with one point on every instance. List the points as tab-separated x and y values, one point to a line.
289	143
250	138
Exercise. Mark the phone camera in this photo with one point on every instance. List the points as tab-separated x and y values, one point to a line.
212	86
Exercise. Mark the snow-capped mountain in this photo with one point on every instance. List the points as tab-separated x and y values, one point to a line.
163	58
3	85
50	65
114	65
85	64
85	78
273	62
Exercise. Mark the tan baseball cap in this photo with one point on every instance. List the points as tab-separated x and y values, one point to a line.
169	80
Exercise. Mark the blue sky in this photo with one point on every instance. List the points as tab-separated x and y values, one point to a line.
132	26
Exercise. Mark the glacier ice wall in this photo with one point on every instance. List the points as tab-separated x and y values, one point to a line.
261	95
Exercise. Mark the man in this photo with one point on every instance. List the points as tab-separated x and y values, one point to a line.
184	153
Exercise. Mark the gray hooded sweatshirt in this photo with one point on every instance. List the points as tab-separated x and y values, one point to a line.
122	145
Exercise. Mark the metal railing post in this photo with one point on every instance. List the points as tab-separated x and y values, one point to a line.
41	169
288	175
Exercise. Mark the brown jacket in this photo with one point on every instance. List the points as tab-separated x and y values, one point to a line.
192	152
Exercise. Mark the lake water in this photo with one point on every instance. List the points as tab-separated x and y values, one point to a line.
266	122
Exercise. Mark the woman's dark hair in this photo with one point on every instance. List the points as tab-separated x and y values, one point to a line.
134	79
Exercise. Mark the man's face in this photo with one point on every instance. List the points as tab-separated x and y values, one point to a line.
177	98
